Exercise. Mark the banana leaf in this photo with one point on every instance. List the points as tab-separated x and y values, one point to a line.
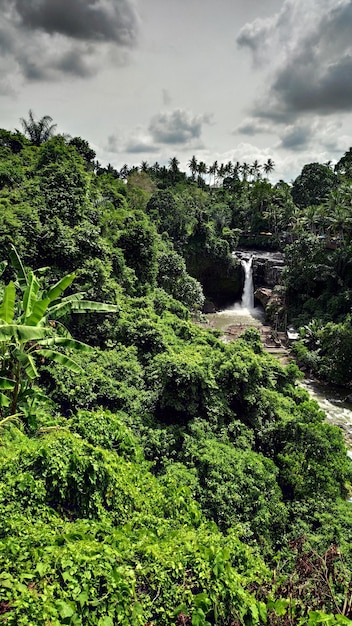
55	292
7	307
7	383
60	358
30	295
65	342
23	332
38	312
17	265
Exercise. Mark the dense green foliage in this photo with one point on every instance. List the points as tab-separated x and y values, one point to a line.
158	476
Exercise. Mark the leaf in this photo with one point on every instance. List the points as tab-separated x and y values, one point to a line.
280	606
6	580
105	621
6	383
29	365
41	568
30	295
65	609
7	308
23	332
80	306
4	400
56	291
38	311
66	342
17	264
62	359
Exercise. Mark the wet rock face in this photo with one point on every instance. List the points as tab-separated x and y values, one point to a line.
263	294
267	267
272	301
267	271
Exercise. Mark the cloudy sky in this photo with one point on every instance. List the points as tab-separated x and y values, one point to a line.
147	80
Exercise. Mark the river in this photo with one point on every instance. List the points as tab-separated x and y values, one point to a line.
331	401
329	398
242	315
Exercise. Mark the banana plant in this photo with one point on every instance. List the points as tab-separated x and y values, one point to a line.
31	332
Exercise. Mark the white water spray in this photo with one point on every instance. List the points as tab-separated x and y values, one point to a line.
247	301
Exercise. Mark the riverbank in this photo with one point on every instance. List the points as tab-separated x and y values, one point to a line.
329	398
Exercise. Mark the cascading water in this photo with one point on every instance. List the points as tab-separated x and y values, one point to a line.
247	301
242	314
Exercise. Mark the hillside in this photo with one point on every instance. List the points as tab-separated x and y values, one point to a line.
151	474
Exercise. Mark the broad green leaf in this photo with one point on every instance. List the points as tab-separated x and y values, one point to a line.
60	358
28	364
105	621
30	295
65	342
7	383
23	332
64	306
7	307
80	306
65	609
17	264
4	400
38	312
56	291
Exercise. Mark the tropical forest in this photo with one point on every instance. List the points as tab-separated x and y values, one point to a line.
152	472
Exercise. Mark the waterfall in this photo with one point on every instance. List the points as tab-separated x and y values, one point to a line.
247	301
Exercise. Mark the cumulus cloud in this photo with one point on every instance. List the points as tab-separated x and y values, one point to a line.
140	146
315	133
94	20
48	39
308	48
251	126
177	127
138	142
296	137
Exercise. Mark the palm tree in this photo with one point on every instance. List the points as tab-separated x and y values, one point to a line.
245	170
155	168
222	171
213	170
255	169
173	165
124	172
38	132
229	168
269	166
201	169
339	219
236	169
193	165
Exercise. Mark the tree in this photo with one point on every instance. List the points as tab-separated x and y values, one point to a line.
38	131
30	334
344	165
269	166
313	185
193	165
213	170
245	169
201	169
255	170
83	148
